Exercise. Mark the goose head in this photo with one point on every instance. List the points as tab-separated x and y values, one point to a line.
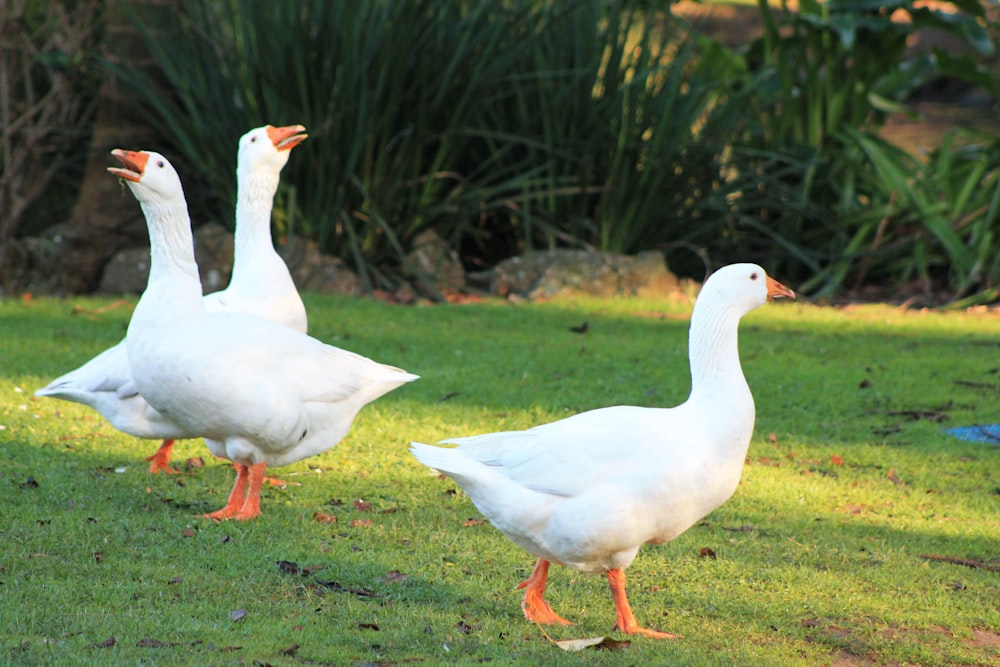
742	287
149	175
268	147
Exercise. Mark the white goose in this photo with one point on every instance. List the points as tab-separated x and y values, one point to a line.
259	393
260	285
589	490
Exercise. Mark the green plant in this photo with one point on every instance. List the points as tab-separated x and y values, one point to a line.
503	126
933	225
829	75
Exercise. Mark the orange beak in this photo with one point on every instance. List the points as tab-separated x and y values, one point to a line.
776	290
288	137
133	164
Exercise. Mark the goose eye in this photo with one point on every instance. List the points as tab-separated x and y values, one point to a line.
753	276
253	139
159	163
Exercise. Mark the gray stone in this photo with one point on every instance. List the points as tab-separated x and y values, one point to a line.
560	273
315	272
434	265
128	270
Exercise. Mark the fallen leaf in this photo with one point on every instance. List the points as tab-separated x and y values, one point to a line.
107	643
836	460
188	532
472	522
740	529
360	523
98	556
580	329
369	626
892	477
289	567
194	462
29	483
864	384
153	643
772	437
290	650
323	517
362	505
597	643
334	586
237	614
466	628
393	577
706	551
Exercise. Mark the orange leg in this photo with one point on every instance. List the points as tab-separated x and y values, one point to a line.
251	506
534	605
624	618
160	461
237	497
272	481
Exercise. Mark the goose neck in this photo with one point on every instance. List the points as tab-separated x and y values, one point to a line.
713	349
171	243
254	200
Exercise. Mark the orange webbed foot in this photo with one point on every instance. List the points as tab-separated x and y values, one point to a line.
646	632
160	461
237	497
534	606
537	610
625	619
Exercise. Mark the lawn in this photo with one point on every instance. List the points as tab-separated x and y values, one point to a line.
861	532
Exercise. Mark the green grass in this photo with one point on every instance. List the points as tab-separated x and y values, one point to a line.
818	562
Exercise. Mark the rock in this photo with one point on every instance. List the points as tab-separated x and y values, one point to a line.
36	264
313	271
213	250
560	273
128	270
434	265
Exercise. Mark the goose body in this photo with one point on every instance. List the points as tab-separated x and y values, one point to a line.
261	394
587	491
260	285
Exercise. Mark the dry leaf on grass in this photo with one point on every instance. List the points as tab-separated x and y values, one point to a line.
362	505
393	576
289	567
596	643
